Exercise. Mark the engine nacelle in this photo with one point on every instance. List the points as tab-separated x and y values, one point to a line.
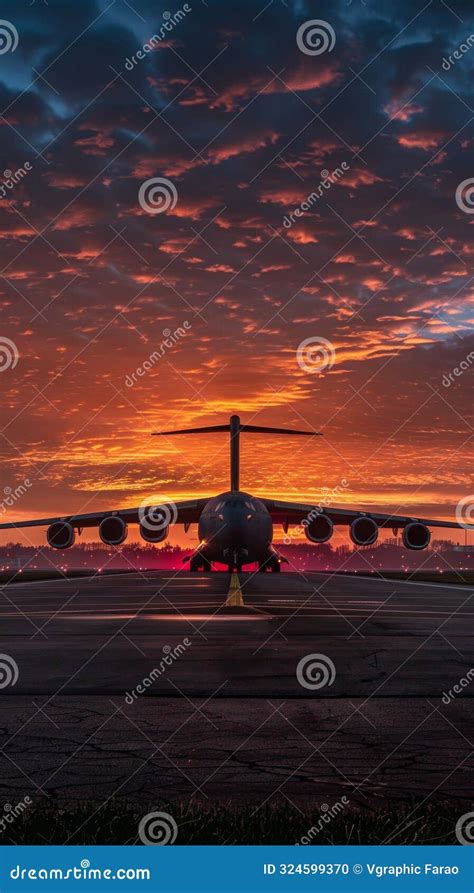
150	535
61	535
364	531
113	530
319	529
416	535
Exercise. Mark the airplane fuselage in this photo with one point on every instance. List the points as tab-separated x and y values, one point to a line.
236	528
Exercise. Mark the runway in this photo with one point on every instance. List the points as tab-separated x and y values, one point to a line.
156	684
103	634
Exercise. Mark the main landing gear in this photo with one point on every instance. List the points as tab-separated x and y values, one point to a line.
199	563
271	564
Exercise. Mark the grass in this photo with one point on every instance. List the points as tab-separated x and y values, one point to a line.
90	823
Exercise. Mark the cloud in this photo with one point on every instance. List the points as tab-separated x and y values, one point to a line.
233	149
422	139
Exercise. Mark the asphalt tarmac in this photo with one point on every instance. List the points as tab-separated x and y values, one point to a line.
165	686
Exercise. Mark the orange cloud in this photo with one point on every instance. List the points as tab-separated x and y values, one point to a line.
272	268
97	144
284	197
65	180
400	111
301	236
306	77
242	147
220	268
345	259
75	216
421	139
359	177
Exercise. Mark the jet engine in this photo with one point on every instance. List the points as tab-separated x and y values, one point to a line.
363	531
416	535
113	530
319	529
150	535
60	535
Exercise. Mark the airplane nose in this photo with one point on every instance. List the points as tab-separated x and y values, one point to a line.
237	523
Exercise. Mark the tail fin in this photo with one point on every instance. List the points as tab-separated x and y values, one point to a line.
234	427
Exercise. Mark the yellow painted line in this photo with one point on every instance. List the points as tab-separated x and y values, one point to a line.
234	596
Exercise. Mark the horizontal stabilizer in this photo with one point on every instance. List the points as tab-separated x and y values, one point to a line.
259	429
253	429
235	428
191	430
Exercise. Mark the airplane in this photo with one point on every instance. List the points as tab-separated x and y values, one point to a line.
236	528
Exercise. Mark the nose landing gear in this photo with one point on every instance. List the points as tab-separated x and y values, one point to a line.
239	558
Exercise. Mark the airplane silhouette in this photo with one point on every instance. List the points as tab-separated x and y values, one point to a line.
235	528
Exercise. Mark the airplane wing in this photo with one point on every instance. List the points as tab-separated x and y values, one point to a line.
288	513
186	512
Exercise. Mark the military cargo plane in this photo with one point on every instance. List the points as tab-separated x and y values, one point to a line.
235	528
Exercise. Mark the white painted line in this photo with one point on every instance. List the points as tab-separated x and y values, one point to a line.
19	582
388	581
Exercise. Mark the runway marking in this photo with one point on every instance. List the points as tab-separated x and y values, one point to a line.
394	580
44	599
47	602
95	575
234	596
97	612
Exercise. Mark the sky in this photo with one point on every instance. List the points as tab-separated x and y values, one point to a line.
164	187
